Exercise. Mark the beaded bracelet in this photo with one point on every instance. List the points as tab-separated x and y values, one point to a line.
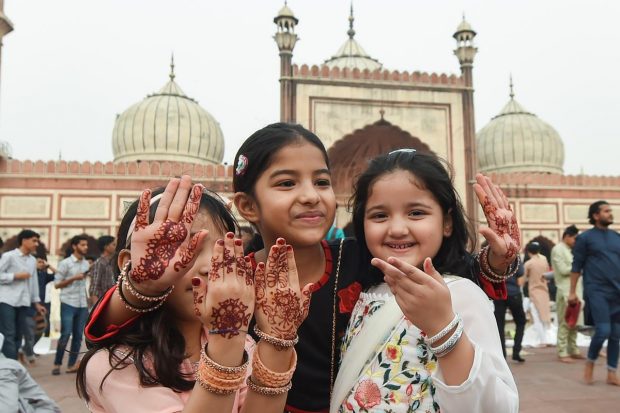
232	331
487	272
450	344
268	391
130	306
140	296
219	379
278	342
432	340
240	370
270	378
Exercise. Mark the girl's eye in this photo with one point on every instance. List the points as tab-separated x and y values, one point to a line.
416	213
378	216
323	182
287	184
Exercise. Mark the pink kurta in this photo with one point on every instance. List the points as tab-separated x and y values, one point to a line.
122	391
538	290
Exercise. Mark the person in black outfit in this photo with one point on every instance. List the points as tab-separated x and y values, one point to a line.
514	302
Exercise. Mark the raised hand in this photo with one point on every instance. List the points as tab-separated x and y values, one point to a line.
162	251
423	296
224	299
502	233
281	306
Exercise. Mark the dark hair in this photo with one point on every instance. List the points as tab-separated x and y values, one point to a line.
104	240
533	247
77	238
570	231
262	145
26	234
594	209
432	174
246	229
153	333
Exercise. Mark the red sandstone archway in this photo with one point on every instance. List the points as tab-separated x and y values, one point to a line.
349	156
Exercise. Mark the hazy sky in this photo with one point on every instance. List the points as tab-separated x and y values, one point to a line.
71	65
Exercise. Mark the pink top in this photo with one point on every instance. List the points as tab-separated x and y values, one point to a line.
122	391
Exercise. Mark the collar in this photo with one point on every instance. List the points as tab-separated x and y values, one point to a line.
75	259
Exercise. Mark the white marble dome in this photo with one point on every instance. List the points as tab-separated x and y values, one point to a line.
518	141
167	126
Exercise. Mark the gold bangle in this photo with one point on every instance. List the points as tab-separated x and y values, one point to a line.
268	391
130	306
278	342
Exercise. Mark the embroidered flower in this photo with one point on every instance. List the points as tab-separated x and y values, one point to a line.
348	297
393	352
242	165
367	394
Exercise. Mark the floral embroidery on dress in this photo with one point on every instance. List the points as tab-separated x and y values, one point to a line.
348	297
398	376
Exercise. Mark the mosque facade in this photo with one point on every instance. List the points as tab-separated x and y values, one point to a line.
353	103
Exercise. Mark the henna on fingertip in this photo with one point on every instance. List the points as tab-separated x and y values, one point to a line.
142	213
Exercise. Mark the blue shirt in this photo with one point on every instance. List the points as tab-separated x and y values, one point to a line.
18	293
75	293
597	254
512	287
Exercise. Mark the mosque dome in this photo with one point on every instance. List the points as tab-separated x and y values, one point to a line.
518	141
167	126
351	55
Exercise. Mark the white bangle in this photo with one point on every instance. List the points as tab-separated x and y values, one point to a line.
450	344
444	332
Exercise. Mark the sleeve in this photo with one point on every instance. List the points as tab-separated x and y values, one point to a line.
61	272
121	388
490	386
5	276
579	253
34	286
36	397
560	261
93	331
9	390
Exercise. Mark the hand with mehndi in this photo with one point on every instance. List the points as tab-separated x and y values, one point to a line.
162	251
224	299
281	305
502	233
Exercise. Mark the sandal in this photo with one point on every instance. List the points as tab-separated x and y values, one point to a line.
56	371
73	369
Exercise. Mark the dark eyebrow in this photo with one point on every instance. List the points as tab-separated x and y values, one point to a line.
409	205
295	173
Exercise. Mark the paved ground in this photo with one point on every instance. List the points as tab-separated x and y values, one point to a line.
545	385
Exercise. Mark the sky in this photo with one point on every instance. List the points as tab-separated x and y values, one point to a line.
70	66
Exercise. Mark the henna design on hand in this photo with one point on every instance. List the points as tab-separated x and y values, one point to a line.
191	208
159	251
187	254
142	213
228	260
216	266
230	316
283	313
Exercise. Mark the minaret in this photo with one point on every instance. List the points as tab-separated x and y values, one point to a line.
286	38
466	51
6	26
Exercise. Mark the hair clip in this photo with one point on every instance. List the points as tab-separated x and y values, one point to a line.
402	150
242	165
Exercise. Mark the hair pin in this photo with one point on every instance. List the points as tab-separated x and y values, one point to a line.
402	150
242	165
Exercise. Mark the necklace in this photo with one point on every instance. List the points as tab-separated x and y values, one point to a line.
333	355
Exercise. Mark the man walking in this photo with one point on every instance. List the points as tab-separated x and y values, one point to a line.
597	254
562	262
514	302
73	302
103	277
18	290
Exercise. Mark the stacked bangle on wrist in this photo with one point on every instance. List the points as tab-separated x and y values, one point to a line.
275	341
444	332
450	343
124	281
487	272
219	379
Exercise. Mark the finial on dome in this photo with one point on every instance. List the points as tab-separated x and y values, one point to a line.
382	113
172	75
512	93
351	31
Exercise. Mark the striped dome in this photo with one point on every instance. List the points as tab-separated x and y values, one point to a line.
167	126
518	141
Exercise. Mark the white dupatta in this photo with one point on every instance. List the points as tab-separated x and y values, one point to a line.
364	345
